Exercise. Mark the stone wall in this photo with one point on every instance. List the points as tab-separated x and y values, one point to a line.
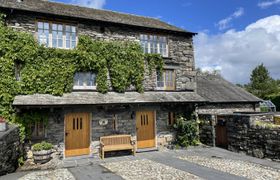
245	136
206	128
181	57
227	108
11	150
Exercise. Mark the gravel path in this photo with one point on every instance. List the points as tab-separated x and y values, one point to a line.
236	167
58	174
146	170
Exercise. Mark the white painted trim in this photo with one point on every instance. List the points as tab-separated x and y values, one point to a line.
84	87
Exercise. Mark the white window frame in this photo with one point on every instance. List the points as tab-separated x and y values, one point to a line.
165	87
85	87
149	42
50	39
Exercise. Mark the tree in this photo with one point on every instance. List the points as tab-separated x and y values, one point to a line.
261	84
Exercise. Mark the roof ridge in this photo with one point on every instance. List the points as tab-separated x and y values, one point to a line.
108	10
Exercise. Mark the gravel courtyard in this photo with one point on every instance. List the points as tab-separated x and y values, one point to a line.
146	169
236	167
194	163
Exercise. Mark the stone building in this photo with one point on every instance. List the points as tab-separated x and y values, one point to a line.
147	116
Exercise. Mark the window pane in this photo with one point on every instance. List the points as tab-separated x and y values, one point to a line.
67	36
54	27
59	27
40	25
60	43
67	44
73	44
73	28
68	28
46	25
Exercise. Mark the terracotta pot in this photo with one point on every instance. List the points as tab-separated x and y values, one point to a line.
42	156
3	126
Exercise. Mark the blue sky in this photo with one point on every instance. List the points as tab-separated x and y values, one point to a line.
231	32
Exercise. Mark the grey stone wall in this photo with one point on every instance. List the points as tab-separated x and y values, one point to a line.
227	108
11	150
180	58
245	136
206	127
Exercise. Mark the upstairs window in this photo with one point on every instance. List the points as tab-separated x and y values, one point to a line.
43	33
166	80
85	80
57	35
154	44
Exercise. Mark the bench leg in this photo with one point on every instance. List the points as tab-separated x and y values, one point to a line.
102	154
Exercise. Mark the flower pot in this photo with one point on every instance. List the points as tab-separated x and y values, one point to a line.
3	126
42	156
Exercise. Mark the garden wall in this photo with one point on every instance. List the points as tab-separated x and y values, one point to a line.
10	150
244	135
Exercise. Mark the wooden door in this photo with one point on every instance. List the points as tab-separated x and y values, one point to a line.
221	133
77	134
145	126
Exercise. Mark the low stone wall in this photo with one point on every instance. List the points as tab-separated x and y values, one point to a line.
245	136
10	150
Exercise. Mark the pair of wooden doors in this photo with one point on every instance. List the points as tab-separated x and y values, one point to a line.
145	128
77	134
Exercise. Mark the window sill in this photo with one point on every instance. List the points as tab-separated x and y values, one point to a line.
84	88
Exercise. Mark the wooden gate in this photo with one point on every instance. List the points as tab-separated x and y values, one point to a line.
145	126
77	134
221	132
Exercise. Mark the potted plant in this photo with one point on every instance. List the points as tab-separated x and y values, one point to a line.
42	152
3	124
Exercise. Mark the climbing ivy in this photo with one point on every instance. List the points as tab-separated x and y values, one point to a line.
51	71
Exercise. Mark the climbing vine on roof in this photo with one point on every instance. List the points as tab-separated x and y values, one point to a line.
51	71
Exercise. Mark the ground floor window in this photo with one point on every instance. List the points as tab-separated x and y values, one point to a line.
171	119
37	130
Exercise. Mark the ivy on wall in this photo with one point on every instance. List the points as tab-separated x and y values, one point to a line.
51	71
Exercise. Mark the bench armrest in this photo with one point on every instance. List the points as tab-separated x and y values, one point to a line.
101	144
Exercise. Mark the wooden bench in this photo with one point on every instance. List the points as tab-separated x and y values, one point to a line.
116	143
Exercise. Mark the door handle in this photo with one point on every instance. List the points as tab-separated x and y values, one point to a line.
66	134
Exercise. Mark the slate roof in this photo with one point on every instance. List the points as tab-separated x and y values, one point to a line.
67	10
216	89
95	98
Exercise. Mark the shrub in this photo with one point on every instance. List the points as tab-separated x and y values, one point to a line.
186	132
42	146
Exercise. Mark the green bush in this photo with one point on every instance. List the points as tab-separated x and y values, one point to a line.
186	132
42	146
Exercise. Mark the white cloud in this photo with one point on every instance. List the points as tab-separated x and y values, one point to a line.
236	53
225	23
97	4
266	4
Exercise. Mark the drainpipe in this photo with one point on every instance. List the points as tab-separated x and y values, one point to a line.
213	122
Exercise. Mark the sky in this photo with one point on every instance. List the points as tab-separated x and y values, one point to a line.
234	36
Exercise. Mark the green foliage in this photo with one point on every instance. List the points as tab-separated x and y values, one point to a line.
154	61
20	161
275	99
30	117
261	84
187	132
51	71
42	146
